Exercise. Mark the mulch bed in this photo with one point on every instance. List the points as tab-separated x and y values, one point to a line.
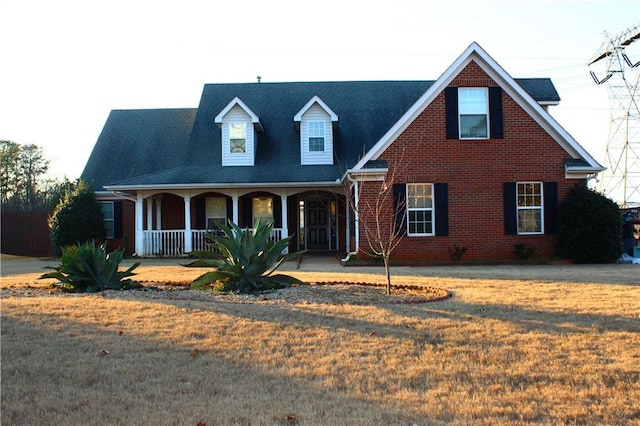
339	293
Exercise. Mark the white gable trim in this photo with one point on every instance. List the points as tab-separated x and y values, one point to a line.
476	54
315	100
237	101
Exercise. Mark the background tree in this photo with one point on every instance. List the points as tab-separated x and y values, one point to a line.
32	166
53	191
22	171
9	160
77	219
589	227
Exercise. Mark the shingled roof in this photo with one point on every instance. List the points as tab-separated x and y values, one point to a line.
175	147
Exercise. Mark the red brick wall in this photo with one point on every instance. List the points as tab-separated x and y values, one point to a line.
376	212
475	171
172	212
128	239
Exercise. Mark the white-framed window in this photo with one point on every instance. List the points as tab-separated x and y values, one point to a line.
216	210
529	205
237	138
420	209
108	215
316	136
262	209
473	112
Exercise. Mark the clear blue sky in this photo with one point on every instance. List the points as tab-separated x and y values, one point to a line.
66	63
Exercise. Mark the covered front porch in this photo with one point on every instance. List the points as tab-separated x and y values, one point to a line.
171	223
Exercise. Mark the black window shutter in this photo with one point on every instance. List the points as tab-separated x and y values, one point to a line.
510	218
247	213
495	113
117	219
451	111
550	206
400	207
201	213
229	210
441	193
277	212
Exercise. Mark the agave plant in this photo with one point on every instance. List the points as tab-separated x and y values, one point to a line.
245	260
89	268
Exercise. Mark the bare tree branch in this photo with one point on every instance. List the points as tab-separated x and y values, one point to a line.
380	218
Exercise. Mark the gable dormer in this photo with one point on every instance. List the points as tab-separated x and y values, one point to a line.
239	126
316	122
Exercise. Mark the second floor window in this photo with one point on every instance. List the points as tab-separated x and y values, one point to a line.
316	136
238	138
473	110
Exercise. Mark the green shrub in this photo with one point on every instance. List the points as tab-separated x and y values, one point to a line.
523	252
77	219
456	252
245	261
589	227
89	268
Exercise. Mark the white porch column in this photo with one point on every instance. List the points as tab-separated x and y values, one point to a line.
285	226
159	212
140	226
188	238
149	213
235	199
347	224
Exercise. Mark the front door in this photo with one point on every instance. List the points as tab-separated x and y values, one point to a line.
317	225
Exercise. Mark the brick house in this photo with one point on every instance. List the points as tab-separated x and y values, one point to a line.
477	162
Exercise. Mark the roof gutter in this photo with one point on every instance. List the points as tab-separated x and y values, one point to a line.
582	172
115	188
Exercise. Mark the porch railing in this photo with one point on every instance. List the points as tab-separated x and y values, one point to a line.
171	242
164	243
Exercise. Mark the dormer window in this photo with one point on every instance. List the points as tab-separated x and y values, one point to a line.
316	122
316	136
237	138
239	126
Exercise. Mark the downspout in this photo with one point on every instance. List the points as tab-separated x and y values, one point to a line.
354	184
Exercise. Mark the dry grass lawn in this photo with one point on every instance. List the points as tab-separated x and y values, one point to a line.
562	350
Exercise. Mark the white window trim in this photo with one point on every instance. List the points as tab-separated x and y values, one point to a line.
246	131
324	136
431	209
486	90
540	208
315	100
236	101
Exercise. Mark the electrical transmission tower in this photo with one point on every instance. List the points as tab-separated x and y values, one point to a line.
614	65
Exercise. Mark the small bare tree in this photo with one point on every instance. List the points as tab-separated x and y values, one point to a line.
380	212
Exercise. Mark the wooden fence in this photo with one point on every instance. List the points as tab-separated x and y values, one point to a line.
25	234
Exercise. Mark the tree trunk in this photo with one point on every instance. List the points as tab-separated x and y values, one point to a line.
388	273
